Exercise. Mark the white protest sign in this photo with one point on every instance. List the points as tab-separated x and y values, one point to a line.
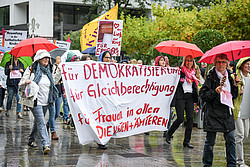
109	37
63	44
12	38
245	105
118	100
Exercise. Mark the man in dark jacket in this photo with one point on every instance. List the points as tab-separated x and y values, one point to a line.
218	112
13	70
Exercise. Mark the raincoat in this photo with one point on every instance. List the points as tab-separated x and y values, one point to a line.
217	115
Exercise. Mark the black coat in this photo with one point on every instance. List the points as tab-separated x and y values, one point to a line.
217	116
13	82
179	94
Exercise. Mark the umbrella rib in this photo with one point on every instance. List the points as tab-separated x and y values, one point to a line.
18	51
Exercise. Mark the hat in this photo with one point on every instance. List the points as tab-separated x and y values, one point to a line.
70	55
40	54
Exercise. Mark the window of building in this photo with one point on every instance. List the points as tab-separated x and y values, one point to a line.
4	16
74	17
71	14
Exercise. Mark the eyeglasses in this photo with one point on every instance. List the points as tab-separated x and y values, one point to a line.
221	62
189	60
107	57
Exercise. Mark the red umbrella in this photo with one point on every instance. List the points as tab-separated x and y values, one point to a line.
233	49
179	48
28	47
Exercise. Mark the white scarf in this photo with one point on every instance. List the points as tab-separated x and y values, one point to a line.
227	86
226	91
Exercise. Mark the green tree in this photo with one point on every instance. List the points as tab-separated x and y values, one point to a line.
124	6
189	4
75	38
209	38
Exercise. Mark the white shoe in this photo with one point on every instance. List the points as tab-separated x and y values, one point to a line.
1	109
243	165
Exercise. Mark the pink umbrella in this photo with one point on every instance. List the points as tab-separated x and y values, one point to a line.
233	49
179	48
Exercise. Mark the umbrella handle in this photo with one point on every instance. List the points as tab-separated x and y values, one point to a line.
12	61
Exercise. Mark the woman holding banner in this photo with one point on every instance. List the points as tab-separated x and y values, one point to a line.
185	97
241	123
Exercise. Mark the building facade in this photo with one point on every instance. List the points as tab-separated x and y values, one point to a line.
45	18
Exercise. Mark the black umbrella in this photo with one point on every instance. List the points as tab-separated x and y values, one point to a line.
90	50
56	52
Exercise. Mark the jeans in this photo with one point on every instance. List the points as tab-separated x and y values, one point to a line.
230	149
65	109
39	126
11	92
58	107
51	121
2	94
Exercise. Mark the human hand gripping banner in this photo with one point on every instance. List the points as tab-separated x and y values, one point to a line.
118	100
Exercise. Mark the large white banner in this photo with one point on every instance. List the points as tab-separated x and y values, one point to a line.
118	100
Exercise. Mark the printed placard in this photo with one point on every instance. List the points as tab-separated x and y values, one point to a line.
14	74
109	37
63	44
13	37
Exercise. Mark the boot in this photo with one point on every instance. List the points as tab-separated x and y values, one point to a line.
168	138
54	136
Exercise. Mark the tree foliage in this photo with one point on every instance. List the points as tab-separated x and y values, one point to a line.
189	4
209	38
124	6
140	34
75	38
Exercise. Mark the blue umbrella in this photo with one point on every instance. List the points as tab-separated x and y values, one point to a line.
90	50
4	49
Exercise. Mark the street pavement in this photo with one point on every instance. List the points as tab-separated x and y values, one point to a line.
138	151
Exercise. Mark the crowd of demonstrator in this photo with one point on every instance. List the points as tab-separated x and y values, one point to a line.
48	94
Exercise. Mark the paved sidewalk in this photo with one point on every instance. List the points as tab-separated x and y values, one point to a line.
138	151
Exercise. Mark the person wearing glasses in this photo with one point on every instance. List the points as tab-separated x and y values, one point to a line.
185	97
105	57
241	123
218	93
